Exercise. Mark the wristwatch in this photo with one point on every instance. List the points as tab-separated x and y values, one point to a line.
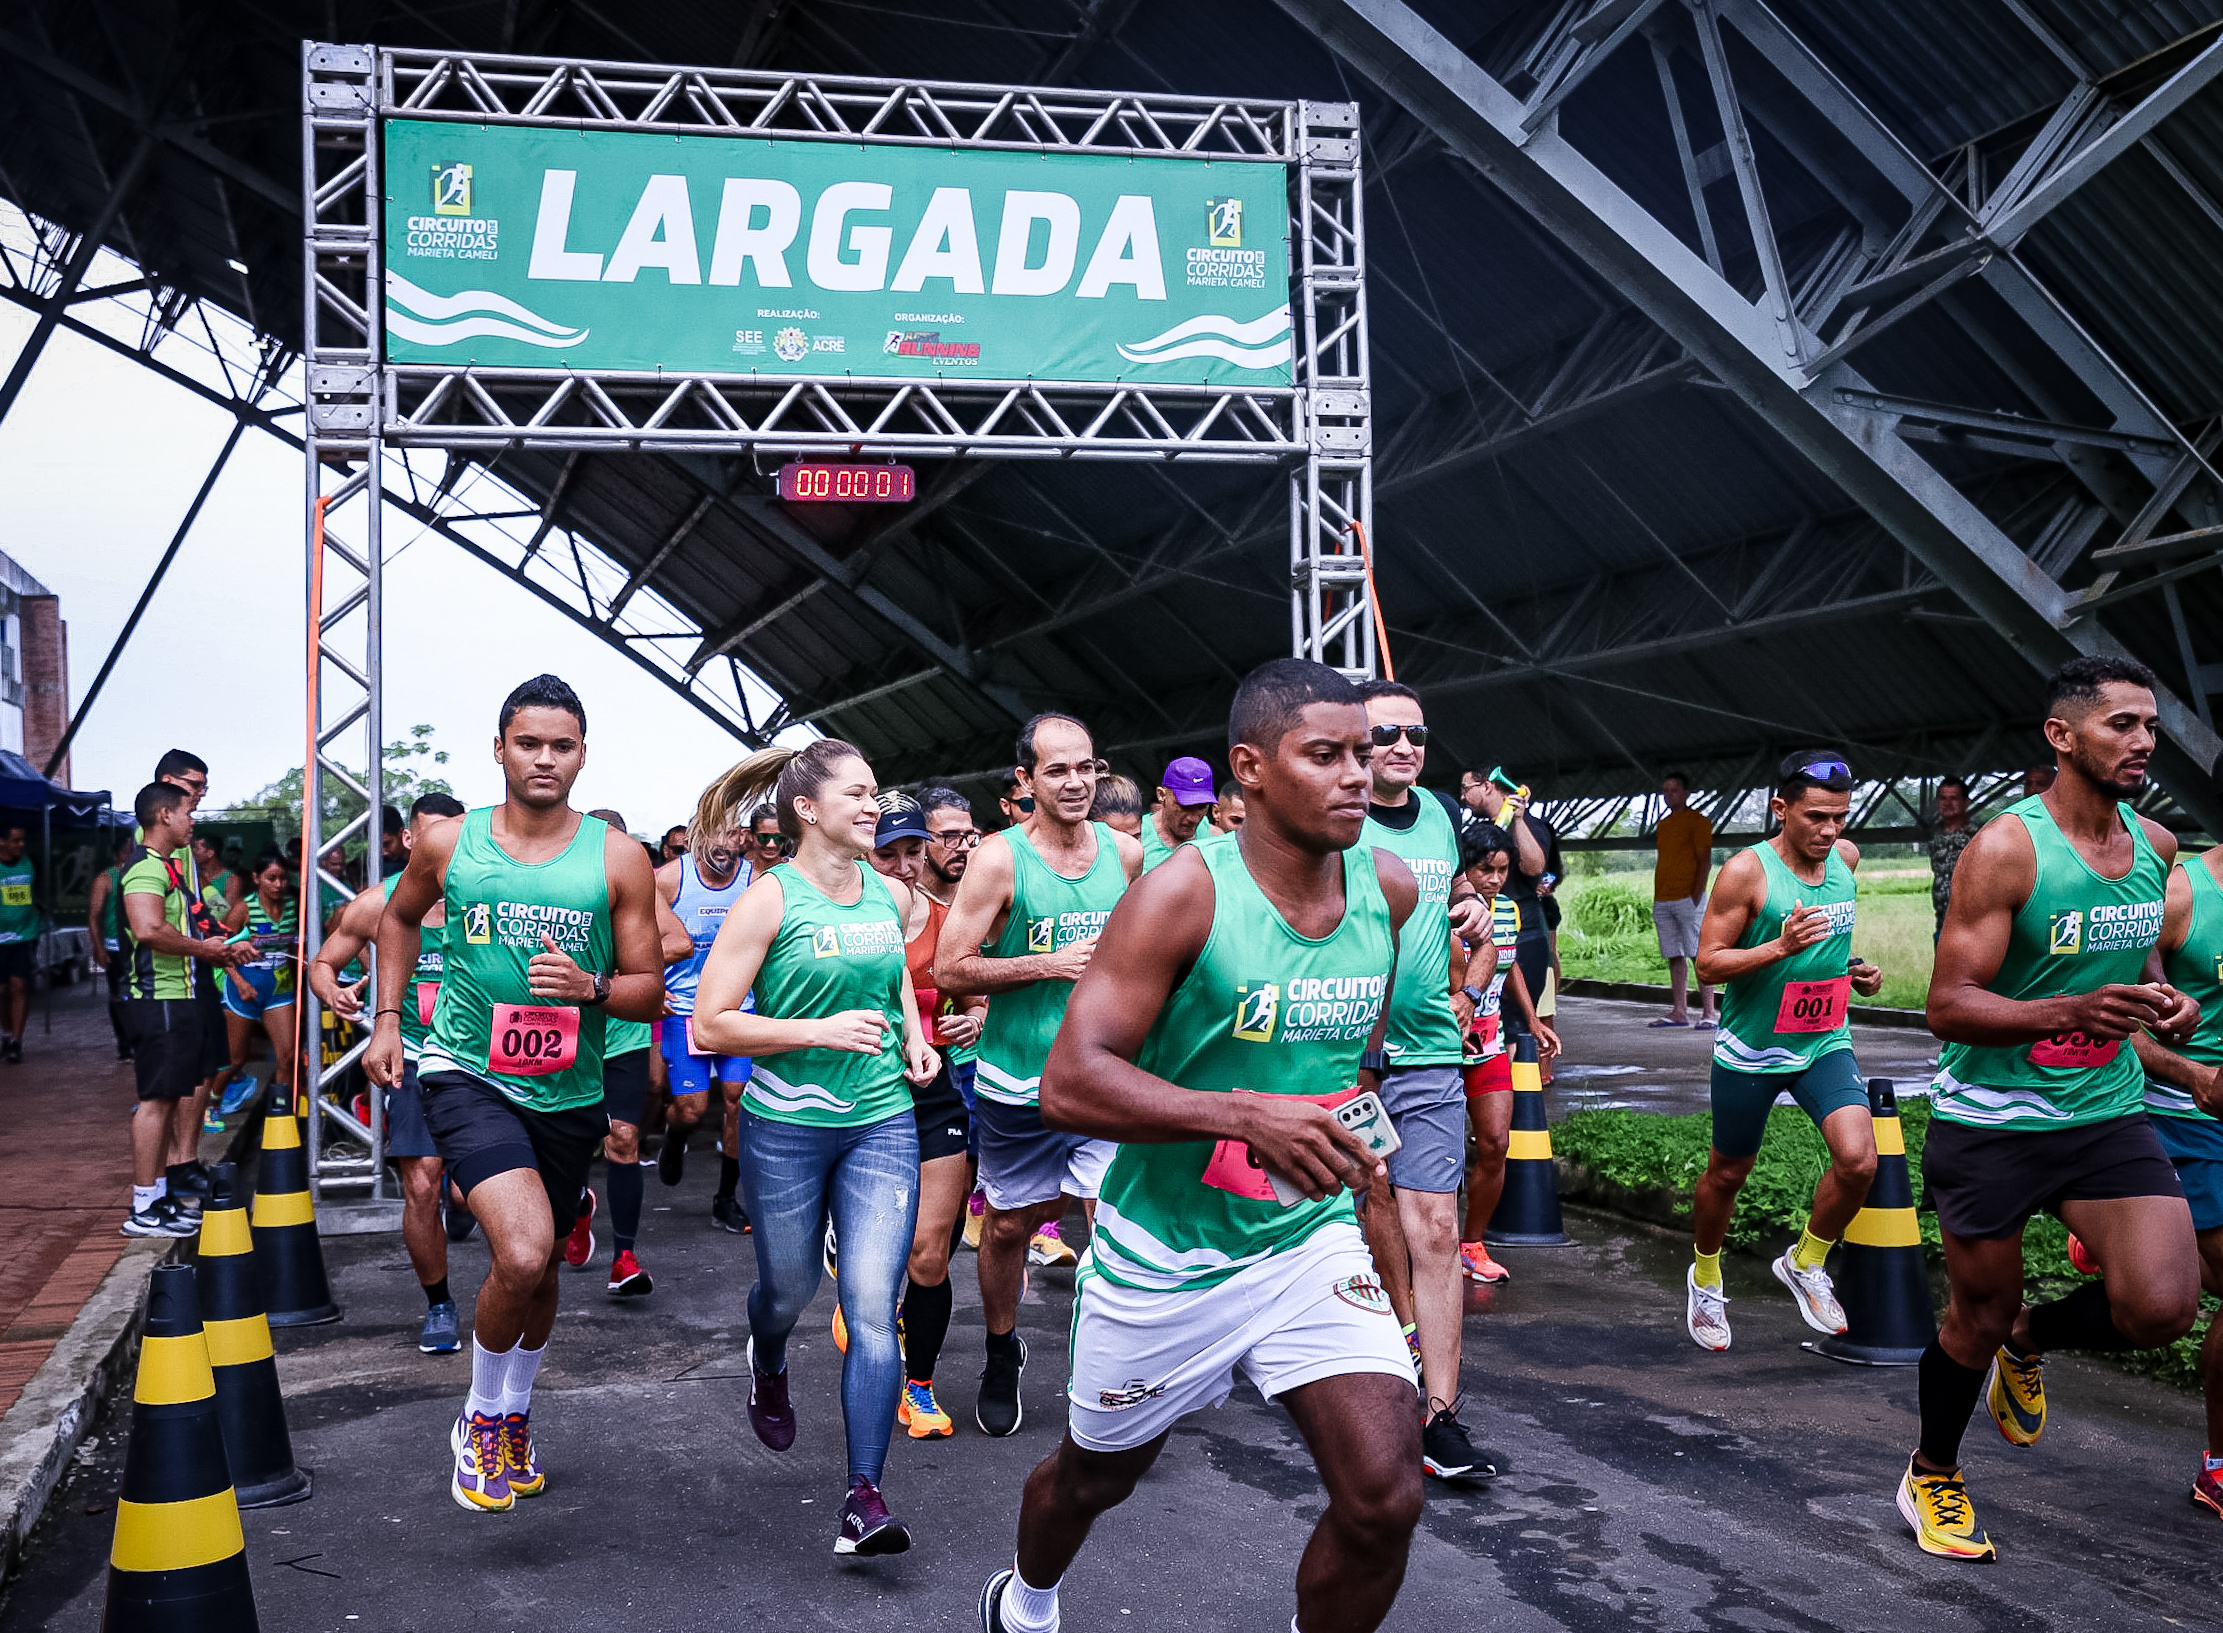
1474	995
601	988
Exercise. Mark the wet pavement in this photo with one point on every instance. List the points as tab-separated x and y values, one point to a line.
1652	1486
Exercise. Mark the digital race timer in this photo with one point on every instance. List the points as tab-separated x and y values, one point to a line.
848	484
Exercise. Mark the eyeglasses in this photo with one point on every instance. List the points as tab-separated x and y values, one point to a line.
770	841
1383	736
963	838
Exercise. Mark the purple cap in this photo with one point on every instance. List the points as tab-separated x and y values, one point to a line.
1189	781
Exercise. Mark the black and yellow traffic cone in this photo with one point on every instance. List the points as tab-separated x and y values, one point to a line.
179	1561
1527	1213
248	1403
289	1259
1882	1276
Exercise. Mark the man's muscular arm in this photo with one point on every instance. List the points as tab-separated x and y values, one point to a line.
356	927
961	969
400	938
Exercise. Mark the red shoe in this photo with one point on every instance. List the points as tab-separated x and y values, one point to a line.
2081	1256
578	1247
2207	1490
627	1278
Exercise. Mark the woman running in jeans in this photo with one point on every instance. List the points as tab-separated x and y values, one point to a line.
826	1124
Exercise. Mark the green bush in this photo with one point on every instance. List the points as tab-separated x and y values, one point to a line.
1608	909
1644	1151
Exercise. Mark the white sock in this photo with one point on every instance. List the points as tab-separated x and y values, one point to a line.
144	1197
488	1370
524	1367
1028	1609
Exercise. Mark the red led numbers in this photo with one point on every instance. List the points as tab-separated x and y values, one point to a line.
802	483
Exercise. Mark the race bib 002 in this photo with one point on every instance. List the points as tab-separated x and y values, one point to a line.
533	1042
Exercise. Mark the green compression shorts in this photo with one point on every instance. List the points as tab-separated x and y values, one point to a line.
1741	1099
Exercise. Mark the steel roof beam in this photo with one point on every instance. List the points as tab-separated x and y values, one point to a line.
1573	201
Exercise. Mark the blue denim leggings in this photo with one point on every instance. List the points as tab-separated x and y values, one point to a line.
794	1176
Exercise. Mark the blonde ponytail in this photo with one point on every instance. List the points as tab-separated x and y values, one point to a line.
785	774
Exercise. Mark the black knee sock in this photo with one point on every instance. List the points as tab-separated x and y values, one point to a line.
436	1292
1948	1392
624	1182
2083	1320
925	1315
729	1175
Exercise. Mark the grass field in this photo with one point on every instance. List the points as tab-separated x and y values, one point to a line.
1609	936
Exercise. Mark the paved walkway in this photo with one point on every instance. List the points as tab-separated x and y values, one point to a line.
65	1175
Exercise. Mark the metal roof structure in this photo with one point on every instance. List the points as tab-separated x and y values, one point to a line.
1747	373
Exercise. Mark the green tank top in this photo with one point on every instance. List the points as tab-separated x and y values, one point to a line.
1154	846
1262	1009
2077	932
2196	970
1422	1029
19	911
423	991
1048	911
487	1023
826	958
1789	1015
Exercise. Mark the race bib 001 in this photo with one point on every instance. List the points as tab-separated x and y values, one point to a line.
1814	1006
533	1042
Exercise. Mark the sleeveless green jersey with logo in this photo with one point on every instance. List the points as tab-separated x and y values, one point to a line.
2077	932
826	958
1154	846
1262	1009
1048	911
2196	970
1752	1007
1422	1029
498	909
19	911
430	945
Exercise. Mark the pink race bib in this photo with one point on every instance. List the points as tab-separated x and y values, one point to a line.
1814	1006
428	994
693	1048
533	1042
2072	1049
1234	1169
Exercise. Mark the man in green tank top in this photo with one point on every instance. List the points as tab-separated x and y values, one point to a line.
551	933
1777	940
409	1141
1028	911
2184	1096
2048	962
1239	987
1183	799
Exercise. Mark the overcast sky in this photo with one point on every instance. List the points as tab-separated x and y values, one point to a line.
99	459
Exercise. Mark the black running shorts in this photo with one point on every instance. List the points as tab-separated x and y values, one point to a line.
481	1132
1986	1182
165	1039
944	1124
625	1085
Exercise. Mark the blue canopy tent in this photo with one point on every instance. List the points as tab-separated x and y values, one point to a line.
23	789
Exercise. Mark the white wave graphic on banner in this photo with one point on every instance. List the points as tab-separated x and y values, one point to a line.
778	1095
1262	343
465	316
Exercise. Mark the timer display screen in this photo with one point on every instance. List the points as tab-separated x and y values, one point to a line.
806	483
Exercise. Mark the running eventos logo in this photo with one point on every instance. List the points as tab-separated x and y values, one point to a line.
2064	933
478	924
2111	927
825	941
1310	1008
1049	933
1041	935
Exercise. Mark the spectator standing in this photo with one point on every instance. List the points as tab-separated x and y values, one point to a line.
1536	866
1685	842
1949	834
20	924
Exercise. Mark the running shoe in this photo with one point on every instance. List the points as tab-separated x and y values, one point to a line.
578	1247
441	1334
727	1214
2207	1489
1705	1312
671	1157
158	1219
841	1330
526	1477
1814	1293
918	1411
481	1473
771	1413
455	1216
1476	1264
2016	1396
1447	1453
237	1093
991	1602
627	1278
1412	1347
2080	1256
1936	1507
1048	1247
866	1525
976	1214
998	1411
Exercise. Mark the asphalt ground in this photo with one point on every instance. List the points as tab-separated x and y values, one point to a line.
1650	1486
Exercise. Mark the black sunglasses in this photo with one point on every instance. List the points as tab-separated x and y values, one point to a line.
1383	736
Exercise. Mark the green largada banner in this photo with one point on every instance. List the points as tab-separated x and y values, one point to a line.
515	246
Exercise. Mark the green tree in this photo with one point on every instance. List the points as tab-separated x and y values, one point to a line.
404	768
